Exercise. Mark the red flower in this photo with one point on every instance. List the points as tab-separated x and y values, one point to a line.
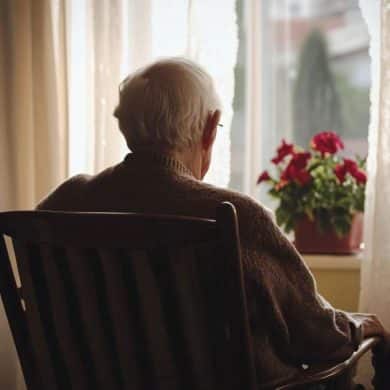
340	171
296	169
360	176
263	177
283	150
300	160
351	167
303	177
327	142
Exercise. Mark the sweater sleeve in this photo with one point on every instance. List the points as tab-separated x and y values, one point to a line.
281	290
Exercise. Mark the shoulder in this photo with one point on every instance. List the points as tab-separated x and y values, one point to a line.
252	215
71	194
243	203
65	193
256	224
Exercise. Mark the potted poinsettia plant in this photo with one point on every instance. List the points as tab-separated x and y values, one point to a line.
320	194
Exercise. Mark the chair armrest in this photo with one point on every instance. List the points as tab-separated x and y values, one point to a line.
327	371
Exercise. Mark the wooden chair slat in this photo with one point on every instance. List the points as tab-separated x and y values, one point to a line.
83	265
163	266
191	307
122	318
156	337
34	320
54	261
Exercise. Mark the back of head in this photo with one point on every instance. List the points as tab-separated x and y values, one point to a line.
164	106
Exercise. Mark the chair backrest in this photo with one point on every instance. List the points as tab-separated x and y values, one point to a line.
127	301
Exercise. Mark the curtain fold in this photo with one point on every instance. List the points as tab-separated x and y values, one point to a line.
375	287
375	269
107	56
33	123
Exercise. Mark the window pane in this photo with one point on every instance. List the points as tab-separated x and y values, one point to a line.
318	59
315	77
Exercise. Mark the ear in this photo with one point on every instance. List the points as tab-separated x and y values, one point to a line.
210	129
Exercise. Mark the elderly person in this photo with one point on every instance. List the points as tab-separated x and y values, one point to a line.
169	113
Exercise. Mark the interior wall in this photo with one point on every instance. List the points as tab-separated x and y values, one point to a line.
340	287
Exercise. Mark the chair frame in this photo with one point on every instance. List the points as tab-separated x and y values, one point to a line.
32	226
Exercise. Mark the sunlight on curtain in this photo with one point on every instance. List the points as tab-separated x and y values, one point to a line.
213	42
375	291
79	143
169	38
375	271
110	39
32	113
95	59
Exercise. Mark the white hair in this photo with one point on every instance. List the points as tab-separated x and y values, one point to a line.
165	105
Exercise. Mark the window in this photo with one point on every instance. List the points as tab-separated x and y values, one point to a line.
301	43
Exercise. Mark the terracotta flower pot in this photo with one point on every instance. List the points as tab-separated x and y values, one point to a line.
308	238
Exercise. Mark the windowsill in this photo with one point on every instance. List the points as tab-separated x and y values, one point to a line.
333	262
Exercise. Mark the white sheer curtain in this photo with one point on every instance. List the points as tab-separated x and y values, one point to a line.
213	42
95	55
375	286
113	38
375	272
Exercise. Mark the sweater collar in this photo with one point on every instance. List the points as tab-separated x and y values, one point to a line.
154	159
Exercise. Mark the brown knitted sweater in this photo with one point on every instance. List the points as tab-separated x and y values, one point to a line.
291	323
